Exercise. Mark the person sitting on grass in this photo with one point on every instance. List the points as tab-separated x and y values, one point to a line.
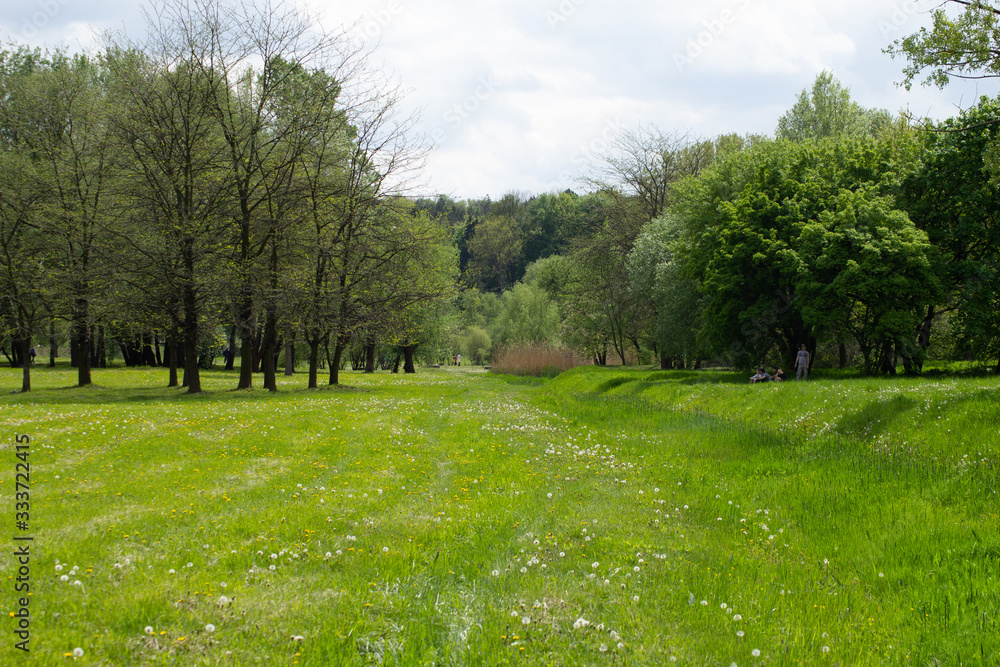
761	376
779	375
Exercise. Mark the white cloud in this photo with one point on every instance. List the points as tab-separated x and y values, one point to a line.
519	93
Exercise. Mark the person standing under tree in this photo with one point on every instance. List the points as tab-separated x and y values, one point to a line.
802	363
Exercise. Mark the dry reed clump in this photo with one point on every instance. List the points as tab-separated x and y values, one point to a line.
536	360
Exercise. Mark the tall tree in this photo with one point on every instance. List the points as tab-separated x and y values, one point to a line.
175	188
827	111
56	108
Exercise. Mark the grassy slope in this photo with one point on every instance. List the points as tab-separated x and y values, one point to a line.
838	514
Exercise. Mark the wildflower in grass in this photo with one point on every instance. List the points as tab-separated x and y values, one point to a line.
190	564
514	614
737	617
595	564
526	621
65	577
635	598
272	568
704	603
825	649
739	633
385	550
755	653
581	623
603	648
78	652
171	571
209	628
149	630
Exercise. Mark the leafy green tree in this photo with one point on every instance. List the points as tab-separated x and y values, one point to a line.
527	315
955	200
868	269
672	299
827	111
24	251
56	109
746	219
174	188
965	46
495	249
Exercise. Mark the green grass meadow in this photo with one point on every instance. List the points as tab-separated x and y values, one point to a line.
603	517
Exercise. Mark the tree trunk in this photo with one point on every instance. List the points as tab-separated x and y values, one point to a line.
53	345
269	351
192	378
246	359
396	362
171	354
26	365
408	366
158	361
313	363
231	359
370	357
289	354
84	342
338	354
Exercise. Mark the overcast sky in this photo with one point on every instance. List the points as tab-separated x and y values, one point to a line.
520	94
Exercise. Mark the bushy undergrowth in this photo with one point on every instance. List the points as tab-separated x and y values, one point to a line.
609	516
536	360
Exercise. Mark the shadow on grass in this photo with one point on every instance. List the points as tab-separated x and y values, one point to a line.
96	394
875	418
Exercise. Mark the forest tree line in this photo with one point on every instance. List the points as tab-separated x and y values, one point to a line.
236	168
862	234
239	175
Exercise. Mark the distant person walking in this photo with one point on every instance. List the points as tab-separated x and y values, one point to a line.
802	364
459	360
31	353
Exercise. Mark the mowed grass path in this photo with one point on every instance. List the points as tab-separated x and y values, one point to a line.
618	517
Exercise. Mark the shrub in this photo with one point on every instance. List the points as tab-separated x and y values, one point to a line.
536	360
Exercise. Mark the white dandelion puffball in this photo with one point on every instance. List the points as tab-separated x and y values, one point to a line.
78	652
149	630
755	653
209	628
